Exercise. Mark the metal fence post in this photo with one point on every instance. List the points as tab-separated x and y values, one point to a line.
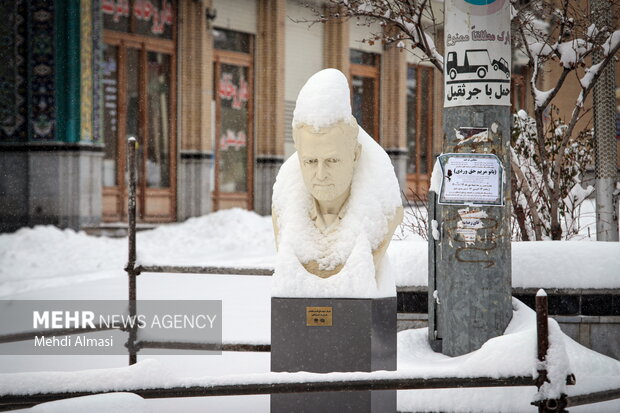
131	237
542	335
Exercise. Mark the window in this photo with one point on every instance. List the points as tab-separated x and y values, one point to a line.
365	74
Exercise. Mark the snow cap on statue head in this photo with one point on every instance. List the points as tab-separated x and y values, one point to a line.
324	100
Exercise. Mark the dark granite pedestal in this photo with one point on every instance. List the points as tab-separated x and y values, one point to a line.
323	335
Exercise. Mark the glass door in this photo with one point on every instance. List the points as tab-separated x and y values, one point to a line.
419	130
139	88
139	102
234	152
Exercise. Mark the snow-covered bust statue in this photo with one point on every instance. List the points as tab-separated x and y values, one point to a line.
336	201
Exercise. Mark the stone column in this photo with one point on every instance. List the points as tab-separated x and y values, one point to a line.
394	110
195	56
269	113
336	52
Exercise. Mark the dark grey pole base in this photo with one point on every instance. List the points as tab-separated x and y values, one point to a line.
361	337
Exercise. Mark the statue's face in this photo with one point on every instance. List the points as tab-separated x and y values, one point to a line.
327	159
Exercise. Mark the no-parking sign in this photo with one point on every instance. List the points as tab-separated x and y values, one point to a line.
477	60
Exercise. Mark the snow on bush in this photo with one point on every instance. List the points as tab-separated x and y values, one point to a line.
534	193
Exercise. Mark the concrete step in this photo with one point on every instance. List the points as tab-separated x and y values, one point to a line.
115	229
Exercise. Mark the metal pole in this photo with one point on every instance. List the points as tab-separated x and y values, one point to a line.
605	135
473	256
434	335
131	236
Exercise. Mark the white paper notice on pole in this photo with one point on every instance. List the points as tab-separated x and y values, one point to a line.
471	179
477	60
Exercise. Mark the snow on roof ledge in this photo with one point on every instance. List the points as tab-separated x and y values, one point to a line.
541	293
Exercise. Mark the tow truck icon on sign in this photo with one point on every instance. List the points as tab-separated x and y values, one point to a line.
476	61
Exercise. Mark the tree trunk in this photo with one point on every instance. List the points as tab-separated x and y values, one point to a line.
556	226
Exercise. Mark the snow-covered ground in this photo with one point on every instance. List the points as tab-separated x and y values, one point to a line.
47	263
45	256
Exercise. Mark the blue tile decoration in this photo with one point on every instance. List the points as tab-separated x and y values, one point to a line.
97	33
41	70
13	97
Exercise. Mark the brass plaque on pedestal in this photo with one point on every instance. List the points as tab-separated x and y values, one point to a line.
319	316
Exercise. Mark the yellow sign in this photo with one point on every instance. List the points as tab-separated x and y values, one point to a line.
319	316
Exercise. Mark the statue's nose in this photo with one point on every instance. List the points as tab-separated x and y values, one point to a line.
321	173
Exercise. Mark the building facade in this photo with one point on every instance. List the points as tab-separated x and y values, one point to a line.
207	87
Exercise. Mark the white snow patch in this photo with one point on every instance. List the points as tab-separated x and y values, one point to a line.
611	43
541	96
540	49
589	75
436	177
592	31
323	100
513	353
435	226
572	52
539	264
45	256
231	237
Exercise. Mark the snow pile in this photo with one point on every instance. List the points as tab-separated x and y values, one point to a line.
232	237
45	256
99	403
324	100
566	264
540	264
512	354
374	198
146	374
518	341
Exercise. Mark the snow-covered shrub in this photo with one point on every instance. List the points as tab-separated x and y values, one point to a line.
532	192
415	220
